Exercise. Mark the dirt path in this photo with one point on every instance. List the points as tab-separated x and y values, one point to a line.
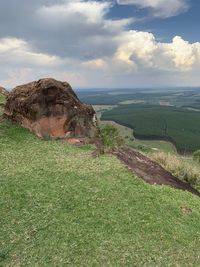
150	171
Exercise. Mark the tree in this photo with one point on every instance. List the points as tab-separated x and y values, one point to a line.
111	136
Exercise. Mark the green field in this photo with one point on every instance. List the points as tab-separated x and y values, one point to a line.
179	97
60	206
145	145
128	135
178	125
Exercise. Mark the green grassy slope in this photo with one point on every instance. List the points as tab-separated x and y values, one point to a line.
2	98
60	206
148	121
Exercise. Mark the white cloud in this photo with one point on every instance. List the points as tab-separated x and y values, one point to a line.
78	29
141	51
19	61
13	50
160	8
136	47
98	63
92	11
75	41
183	54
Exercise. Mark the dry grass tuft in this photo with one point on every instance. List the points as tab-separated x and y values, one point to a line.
183	168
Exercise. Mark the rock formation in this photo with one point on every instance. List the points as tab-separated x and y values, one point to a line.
3	91
51	109
150	171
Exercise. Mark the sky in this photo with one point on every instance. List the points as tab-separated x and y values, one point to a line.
101	44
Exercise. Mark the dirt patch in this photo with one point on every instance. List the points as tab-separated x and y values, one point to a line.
186	210
150	171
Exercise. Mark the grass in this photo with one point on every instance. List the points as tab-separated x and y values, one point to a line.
2	98
153	145
60	206
184	168
155	122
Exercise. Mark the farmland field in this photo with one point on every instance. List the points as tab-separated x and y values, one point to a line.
144	145
179	97
178	125
171	115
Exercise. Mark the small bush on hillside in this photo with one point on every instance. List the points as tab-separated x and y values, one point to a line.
196	156
186	171
111	136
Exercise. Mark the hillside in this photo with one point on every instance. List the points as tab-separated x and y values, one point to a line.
60	206
177	125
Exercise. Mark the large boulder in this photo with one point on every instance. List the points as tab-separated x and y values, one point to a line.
51	109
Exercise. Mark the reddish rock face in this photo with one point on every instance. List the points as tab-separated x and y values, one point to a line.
51	109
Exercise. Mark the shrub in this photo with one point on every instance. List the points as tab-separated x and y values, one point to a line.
196	156
111	136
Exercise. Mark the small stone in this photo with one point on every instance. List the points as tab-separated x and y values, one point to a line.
74	141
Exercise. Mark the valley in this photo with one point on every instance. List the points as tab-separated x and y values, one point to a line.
162	119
